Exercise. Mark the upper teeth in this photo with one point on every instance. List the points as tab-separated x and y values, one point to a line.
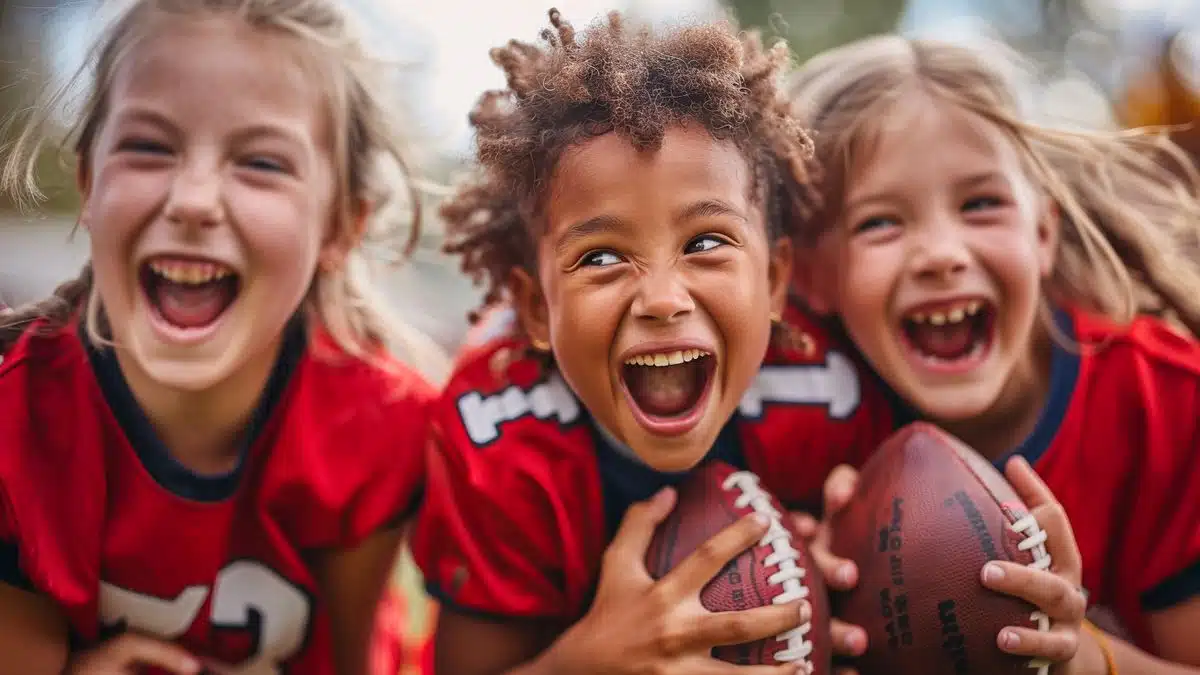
188	272
666	358
952	314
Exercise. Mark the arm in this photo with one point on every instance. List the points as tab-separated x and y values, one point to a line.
473	646
635	624
351	582
1174	632
33	634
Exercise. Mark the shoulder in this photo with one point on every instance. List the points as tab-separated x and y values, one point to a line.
1146	355
502	389
513	488
335	393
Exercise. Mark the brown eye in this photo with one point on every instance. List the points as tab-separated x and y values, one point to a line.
599	259
706	242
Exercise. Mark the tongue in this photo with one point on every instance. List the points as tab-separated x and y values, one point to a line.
663	391
191	306
950	341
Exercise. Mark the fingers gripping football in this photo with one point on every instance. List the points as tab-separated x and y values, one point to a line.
641	625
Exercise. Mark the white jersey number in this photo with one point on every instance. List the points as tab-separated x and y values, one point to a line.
833	384
246	595
483	416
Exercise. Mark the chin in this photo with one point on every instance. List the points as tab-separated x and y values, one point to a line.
186	376
672	454
952	405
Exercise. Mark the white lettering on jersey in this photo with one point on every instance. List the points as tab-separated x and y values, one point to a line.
833	384
483	416
247	595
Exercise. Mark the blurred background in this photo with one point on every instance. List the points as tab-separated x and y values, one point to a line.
1101	64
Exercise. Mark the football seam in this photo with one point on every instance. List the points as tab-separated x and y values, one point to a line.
799	648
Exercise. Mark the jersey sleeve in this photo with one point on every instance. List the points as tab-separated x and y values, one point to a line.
1169	537
352	461
484	537
1159	529
10	554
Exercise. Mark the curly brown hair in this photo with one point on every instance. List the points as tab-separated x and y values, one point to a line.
634	81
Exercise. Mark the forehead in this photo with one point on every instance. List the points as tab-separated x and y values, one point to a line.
220	70
607	173
921	137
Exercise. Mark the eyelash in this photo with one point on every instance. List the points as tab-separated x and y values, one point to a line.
142	146
149	147
973	204
590	259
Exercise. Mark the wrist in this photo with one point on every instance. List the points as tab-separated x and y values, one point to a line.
557	658
1094	653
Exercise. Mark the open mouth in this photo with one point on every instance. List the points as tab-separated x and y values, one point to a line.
957	334
189	294
670	385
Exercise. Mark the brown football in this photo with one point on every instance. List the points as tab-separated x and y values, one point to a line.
778	569
928	514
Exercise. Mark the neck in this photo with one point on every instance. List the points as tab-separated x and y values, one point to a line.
1015	413
202	429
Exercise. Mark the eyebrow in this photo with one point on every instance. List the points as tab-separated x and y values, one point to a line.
587	228
969	181
707	208
145	115
136	114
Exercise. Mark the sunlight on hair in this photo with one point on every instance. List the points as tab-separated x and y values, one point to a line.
1130	200
371	165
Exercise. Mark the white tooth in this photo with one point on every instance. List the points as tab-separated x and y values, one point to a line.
973	307
937	318
956	315
687	355
661	360
675	358
639	360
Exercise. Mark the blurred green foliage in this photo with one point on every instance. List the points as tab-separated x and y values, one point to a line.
812	26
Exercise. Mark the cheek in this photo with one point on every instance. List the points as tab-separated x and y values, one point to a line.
282	232
864	278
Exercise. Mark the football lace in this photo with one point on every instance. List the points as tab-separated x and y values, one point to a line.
1035	540
789	577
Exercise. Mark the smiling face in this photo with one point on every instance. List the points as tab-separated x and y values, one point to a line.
937	258
656	286
208	193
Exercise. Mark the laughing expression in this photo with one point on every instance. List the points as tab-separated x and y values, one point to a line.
938	257
656	285
207	212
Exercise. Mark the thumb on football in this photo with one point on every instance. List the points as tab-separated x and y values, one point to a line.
627	551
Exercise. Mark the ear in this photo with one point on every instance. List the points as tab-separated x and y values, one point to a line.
779	273
531	306
341	241
1049	229
814	279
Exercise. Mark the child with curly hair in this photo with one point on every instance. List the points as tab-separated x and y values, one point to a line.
638	194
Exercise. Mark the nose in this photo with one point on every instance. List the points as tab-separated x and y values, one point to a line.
662	296
941	251
195	196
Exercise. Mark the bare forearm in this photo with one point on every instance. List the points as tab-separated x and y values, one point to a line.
1130	660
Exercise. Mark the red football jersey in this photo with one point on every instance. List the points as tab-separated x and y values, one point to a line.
102	519
1119	444
525	492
